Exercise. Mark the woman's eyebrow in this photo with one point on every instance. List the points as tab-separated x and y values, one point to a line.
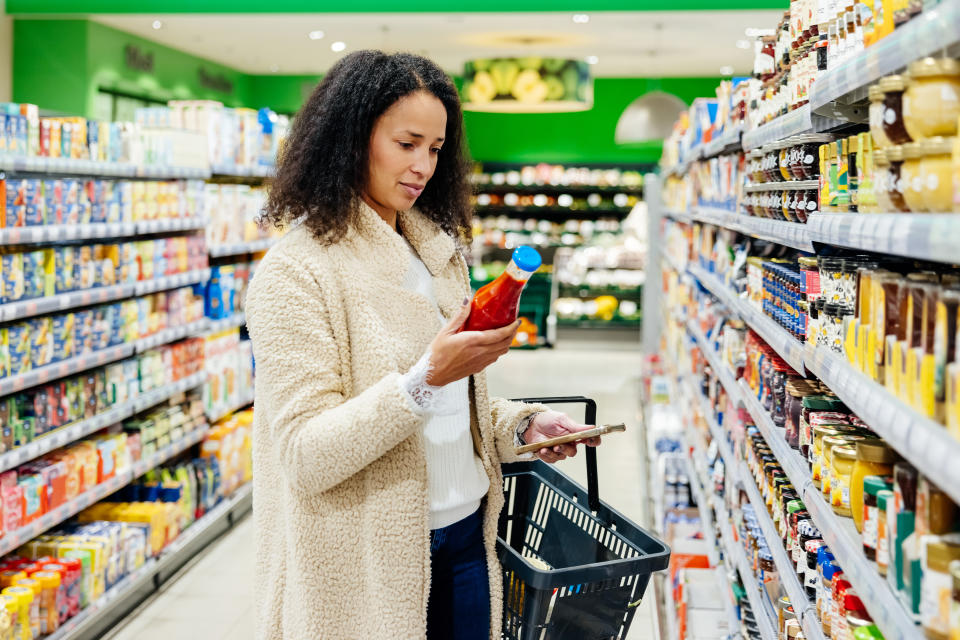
414	134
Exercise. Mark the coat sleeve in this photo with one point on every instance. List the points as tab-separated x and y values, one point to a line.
506	416
321	436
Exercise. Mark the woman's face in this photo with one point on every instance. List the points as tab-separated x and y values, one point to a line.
404	146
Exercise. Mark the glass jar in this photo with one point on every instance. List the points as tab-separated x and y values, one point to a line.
831	272
893	126
767	570
842	461
895	185
810	575
911	182
806	532
936	512
874	458
881	181
854	615
827	471
877	109
936	174
783	161
872	486
816	453
837	619
936	586
931	102
884	503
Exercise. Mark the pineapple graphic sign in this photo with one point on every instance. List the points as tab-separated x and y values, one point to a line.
527	84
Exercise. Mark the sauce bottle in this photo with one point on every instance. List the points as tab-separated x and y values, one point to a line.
495	304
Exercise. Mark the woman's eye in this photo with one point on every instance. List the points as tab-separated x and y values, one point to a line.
406	145
435	150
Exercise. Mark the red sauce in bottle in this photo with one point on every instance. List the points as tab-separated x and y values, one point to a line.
496	304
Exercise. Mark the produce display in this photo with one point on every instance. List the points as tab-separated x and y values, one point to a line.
530	80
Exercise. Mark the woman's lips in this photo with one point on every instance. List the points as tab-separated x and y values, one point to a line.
413	190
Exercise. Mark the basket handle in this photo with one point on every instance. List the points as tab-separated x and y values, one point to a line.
590	417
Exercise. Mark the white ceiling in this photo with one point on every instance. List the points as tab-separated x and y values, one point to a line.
628	44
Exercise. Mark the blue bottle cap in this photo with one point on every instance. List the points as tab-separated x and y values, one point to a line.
527	258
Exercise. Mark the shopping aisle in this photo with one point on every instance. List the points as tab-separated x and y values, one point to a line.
214	598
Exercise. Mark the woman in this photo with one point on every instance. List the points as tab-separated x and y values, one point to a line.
377	451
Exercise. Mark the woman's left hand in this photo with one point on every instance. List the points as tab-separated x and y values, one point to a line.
552	424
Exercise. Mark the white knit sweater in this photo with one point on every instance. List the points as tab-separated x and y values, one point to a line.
456	479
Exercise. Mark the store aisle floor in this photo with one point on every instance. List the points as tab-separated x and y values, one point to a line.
213	599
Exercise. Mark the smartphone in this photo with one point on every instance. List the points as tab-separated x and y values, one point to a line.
572	437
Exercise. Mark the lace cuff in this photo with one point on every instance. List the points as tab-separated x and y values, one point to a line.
425	396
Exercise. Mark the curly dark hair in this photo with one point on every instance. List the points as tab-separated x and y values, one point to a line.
322	169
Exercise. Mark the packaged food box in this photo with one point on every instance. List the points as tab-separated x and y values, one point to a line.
41	341
19	347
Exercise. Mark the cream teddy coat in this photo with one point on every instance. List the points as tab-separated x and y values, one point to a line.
340	474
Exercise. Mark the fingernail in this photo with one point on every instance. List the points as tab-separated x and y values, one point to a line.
465	301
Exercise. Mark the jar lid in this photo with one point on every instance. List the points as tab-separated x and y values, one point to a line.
931	67
25	595
911	150
814	546
880	157
829	262
873	485
895	153
49	579
808	529
830	570
874	93
33	584
784	604
795	506
850	265
852	602
892	84
937	146
940	553
831	308
807	261
845	453
884	498
876	451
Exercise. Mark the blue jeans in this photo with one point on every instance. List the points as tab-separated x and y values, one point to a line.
459	607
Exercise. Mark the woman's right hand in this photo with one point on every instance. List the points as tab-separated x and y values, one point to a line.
456	355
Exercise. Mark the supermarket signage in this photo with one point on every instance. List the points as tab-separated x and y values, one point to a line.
214	82
137	59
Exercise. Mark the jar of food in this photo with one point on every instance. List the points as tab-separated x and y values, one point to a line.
936	586
810	574
931	102
911	181
936	512
895	186
831	272
881	180
848	281
884	503
936	174
816	452
842	461
872	486
874	458
855	614
49	609
893	125
827	471
829	571
806	531
876	115
839	591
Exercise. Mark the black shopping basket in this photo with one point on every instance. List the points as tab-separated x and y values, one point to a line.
573	568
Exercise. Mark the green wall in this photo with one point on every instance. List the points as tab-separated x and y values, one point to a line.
584	136
61	64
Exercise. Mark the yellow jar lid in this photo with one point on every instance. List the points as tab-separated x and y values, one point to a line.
30	583
875	93
940	553
937	146
932	67
48	579
25	595
895	153
880	157
876	451
911	151
892	84
846	453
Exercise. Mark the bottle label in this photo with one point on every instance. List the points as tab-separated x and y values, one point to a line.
870	527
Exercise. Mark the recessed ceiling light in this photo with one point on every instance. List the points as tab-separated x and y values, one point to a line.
743	44
581	18
338	46
592	59
315	35
157	24
726	70
274	68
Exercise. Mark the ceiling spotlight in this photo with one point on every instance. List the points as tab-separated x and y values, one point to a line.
315	35
743	44
726	70
581	18
338	46
157	24
592	59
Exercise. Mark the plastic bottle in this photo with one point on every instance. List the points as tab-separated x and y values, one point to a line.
496	304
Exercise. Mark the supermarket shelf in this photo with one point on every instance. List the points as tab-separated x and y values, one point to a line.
14	539
245	400
73	166
172	335
790	234
930	236
927	34
840	535
172	282
786	569
64	301
571	189
793	465
554	212
64	435
794	123
236	320
72	232
728	141
721	370
585	291
170	224
233	171
759	602
599	324
241	248
93	621
703	507
922	441
790	185
56	370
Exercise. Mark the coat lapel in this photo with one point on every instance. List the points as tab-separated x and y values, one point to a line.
436	249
